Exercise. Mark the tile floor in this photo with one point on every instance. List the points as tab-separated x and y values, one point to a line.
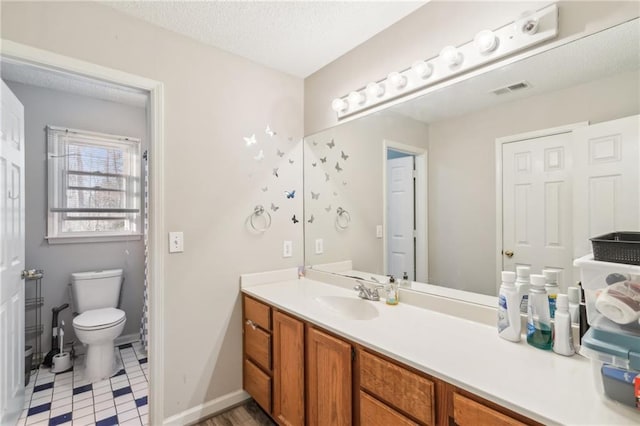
68	399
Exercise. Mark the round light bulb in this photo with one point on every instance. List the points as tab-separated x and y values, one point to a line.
451	56
375	90
422	69
486	41
357	98
397	80
339	105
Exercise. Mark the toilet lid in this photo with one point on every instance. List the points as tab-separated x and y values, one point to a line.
99	318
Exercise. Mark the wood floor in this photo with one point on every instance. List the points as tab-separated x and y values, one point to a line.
247	414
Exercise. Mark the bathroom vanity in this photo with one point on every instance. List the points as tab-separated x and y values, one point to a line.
314	353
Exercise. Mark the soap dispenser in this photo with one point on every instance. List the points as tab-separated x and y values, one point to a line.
392	291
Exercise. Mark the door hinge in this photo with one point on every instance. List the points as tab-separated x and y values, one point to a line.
415	233
414	173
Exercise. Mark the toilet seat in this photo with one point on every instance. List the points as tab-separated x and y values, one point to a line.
98	319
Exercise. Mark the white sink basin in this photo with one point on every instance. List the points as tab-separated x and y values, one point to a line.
349	307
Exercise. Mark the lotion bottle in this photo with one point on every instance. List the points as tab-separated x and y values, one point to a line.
562	338
509	325
522	285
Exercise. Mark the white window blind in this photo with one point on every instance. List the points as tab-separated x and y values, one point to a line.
94	184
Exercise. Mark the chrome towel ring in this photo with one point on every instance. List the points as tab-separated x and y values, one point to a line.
343	219
260	212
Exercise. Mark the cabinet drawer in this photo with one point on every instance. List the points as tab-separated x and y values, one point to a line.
257	312
258	385
375	413
399	387
469	412
257	345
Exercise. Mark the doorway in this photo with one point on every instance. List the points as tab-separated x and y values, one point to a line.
43	61
405	211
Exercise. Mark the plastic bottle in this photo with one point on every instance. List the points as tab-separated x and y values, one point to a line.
573	294
405	280
522	285
538	317
509	325
562	338
392	292
551	287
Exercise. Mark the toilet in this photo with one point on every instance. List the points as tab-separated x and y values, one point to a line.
99	322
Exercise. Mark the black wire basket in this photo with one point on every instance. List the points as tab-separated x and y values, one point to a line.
617	247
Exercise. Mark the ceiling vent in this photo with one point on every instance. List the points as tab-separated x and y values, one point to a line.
512	88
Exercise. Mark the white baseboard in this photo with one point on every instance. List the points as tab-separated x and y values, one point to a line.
208	409
127	338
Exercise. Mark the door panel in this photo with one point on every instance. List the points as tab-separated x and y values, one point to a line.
288	370
12	217
400	214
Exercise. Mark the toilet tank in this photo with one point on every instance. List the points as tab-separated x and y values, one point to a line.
96	289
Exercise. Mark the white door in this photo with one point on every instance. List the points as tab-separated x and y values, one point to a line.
400	217
12	214
606	180
537	205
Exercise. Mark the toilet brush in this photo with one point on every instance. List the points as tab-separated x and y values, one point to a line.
62	360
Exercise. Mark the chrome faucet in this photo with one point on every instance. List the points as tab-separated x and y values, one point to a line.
367	293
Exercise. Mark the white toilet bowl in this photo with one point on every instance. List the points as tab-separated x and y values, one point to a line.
97	329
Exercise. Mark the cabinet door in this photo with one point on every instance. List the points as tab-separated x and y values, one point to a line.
375	413
329	380
288	370
469	412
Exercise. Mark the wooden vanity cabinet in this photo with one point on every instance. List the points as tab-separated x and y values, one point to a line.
329	379
257	374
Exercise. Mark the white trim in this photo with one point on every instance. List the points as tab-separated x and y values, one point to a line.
498	147
422	220
52	61
126	338
92	239
207	409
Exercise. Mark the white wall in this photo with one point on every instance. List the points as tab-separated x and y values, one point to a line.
51	107
362	196
462	200
425	32
212	100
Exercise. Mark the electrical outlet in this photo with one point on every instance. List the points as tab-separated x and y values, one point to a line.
176	242
319	246
287	248
378	231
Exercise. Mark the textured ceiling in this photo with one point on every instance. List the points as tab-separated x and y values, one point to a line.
296	37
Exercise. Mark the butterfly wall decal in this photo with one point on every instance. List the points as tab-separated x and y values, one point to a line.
251	140
314	143
315	195
265	189
275	172
326	177
269	132
311	219
343	155
331	144
328	208
344	183
260	156
335	194
323	159
290	161
291	194
280	154
314	164
338	168
294	220
274	207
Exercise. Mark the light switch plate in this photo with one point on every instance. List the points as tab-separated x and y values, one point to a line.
176	242
319	246
378	231
287	248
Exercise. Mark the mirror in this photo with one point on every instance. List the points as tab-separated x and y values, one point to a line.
366	217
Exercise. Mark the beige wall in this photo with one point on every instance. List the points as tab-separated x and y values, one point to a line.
212	100
422	34
462	186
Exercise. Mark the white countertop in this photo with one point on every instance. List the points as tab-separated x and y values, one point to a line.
542	385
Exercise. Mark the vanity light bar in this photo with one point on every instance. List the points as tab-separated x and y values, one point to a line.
487	46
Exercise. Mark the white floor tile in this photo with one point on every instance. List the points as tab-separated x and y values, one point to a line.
84	421
123	398
119	379
140	393
57	403
101	391
104	414
127	415
104	405
88	402
136	380
140	386
120	385
144	418
60	410
97	399
47	393
131	422
126	406
102	384
39	401
38	418
83	395
135	373
64	394
81	412
143	409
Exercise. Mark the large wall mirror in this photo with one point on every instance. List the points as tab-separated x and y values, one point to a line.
518	165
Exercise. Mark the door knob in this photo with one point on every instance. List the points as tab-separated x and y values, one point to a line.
508	253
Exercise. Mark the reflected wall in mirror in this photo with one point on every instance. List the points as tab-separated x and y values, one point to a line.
468	131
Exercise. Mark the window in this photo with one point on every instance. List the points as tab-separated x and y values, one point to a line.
94	186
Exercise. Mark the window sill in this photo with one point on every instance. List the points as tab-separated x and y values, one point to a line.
77	239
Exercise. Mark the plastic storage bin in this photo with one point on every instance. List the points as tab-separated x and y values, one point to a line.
615	360
594	275
619	247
